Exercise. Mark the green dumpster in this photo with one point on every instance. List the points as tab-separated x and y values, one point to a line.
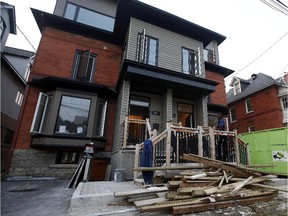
268	147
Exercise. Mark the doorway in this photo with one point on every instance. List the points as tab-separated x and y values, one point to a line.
138	109
186	114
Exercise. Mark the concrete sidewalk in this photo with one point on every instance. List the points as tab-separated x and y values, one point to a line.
95	199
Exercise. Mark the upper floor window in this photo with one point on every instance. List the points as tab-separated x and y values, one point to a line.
2	26
84	65
73	116
19	98
190	62
232	114
89	17
237	87
248	105
209	56
285	102
147	49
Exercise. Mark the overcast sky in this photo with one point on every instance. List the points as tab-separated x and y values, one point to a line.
256	35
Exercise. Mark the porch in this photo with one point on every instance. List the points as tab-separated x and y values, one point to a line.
176	140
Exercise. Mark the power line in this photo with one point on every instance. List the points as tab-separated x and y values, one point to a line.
26	38
265	51
6	9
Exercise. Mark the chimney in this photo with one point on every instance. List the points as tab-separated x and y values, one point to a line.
254	76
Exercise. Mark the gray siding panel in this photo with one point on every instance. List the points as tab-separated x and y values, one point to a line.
170	44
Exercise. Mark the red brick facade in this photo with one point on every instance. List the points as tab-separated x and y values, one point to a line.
266	112
55	57
219	96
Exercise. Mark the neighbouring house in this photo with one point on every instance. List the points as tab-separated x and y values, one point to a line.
15	66
258	103
103	69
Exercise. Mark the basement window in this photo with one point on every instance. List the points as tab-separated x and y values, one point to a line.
64	157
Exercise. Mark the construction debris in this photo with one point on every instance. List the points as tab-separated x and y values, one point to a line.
217	185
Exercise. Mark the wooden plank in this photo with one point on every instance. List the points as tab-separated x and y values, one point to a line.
219	164
136	160
166	168
168	144
146	202
196	176
200	207
140	192
231	186
200	141
240	185
270	187
212	142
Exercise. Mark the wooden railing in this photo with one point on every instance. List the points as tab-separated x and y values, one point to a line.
171	144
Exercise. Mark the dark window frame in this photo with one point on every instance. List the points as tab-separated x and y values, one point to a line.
193	62
232	114
143	49
84	67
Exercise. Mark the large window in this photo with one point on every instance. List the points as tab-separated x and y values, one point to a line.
89	17
147	49
190	62
248	105
232	112
70	114
73	116
84	65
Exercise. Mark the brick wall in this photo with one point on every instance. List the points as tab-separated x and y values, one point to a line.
219	96
266	113
56	56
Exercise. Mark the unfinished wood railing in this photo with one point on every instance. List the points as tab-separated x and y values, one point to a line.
171	144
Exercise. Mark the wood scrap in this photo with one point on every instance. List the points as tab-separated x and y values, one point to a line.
218	185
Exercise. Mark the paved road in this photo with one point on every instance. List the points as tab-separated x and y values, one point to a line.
35	198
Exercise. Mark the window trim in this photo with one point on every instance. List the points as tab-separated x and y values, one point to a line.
284	102
51	110
76	17
19	98
77	62
59	108
197	61
2	26
247	107
142	48
231	116
237	90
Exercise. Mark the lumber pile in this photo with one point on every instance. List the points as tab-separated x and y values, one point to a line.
218	185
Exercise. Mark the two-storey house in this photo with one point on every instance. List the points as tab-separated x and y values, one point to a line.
258	103
15	65
100	63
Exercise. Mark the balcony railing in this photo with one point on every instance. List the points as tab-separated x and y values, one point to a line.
171	144
209	56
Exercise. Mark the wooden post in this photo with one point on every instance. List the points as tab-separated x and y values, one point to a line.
236	147
200	141
177	150
248	155
136	161
168	144
212	143
154	134
148	127
125	137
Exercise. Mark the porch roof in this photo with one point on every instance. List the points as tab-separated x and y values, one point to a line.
156	80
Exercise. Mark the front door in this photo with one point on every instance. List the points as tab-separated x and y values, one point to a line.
138	109
186	114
